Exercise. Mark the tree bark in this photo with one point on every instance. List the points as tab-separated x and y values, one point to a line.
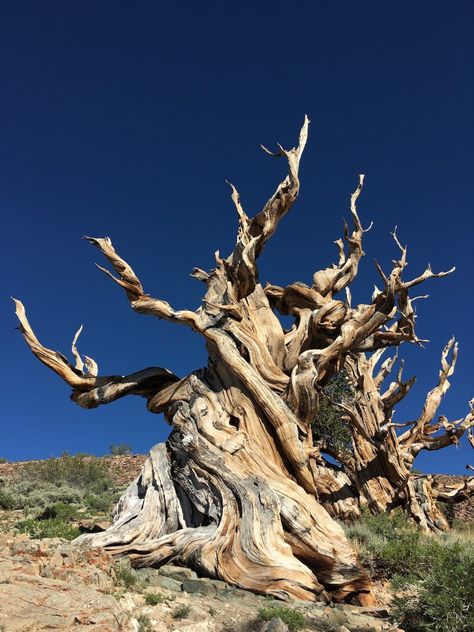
379	467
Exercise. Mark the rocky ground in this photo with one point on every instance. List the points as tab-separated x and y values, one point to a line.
52	584
55	584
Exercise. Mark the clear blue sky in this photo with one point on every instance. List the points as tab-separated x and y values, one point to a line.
125	119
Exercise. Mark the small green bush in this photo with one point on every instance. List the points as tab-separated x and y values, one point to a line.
31	495
120	449
67	480
181	612
80	471
390	544
153	599
7	501
49	528
125	575
61	511
144	624
294	620
444	599
3	459
102	503
437	569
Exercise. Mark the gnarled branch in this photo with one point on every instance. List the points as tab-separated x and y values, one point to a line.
424	426
90	390
139	300
236	277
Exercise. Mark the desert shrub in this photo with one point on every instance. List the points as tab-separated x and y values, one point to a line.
181	612
79	471
152	599
437	570
120	449
49	528
7	500
144	624
55	521
391	545
102	503
444	599
3	459
66	480
60	511
39	495
294	620
125	575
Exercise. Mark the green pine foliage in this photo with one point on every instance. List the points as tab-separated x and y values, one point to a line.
330	431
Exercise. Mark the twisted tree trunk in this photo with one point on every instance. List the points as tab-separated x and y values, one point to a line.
240	491
380	463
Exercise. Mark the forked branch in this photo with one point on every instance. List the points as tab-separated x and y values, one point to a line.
90	390
236	277
139	300
424	426
332	280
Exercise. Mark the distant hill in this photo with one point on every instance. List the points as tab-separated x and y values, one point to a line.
124	469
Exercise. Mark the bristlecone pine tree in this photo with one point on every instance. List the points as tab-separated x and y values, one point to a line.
240	491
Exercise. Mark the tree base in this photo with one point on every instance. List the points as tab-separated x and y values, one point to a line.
237	529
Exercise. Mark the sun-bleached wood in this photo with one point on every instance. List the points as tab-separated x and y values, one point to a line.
240	491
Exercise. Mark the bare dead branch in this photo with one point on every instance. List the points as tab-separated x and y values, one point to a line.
52	359
386	367
75	352
90	390
332	280
424	428
140	302
453	492
427	274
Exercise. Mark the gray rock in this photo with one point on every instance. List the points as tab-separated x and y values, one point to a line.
380	613
25	547
41	603
197	614
152	577
356	621
177	572
46	571
201	586
335	616
220	585
168	583
147	575
274	625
